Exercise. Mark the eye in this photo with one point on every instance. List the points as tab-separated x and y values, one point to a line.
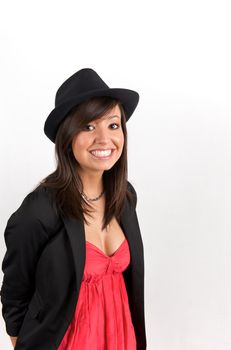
87	126
115	124
90	125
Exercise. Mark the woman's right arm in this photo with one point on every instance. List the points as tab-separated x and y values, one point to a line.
25	236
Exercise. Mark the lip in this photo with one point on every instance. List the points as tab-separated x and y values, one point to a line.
102	157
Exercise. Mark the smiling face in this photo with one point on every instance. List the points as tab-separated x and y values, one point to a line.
105	137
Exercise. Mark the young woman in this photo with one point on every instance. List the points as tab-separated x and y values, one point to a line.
74	265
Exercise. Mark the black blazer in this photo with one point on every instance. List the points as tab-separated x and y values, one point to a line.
43	269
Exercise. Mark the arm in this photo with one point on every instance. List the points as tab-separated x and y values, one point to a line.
25	237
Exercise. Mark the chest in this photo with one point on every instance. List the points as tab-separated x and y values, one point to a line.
106	240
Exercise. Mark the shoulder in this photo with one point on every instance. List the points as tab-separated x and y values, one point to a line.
133	193
36	209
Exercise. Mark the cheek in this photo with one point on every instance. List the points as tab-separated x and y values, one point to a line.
80	142
121	140
77	146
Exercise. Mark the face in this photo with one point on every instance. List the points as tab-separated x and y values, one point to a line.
104	134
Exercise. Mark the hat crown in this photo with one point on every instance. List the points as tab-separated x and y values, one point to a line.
78	88
81	82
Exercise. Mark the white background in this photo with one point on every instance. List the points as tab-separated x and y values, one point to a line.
177	55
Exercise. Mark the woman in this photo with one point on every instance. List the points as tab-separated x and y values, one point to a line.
74	265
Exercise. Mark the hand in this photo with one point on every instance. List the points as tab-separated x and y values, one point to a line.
13	340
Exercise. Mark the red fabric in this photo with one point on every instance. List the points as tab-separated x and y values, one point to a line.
102	319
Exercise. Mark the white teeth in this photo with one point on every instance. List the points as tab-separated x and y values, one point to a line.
102	153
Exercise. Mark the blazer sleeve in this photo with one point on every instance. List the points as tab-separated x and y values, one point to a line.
25	237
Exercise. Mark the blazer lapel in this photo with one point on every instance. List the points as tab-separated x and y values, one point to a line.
76	234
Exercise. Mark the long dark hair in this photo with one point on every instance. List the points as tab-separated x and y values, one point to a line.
65	183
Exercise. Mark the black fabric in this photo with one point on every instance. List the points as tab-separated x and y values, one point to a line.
43	269
79	87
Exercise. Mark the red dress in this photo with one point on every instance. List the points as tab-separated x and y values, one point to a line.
102	319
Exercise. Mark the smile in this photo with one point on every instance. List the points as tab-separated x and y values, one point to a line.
106	154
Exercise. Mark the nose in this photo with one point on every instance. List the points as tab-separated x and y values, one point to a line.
101	135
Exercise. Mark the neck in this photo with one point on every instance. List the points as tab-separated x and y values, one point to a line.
92	184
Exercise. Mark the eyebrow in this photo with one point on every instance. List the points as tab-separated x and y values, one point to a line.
110	117
113	116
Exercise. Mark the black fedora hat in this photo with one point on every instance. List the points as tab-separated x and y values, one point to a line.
79	87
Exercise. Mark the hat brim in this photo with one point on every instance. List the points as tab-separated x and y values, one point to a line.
128	98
